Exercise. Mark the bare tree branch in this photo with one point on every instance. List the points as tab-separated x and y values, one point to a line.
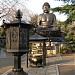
9	7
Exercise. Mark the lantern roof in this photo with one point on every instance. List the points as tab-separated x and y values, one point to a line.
57	39
20	23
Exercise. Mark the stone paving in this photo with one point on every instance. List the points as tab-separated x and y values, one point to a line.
68	66
49	69
55	65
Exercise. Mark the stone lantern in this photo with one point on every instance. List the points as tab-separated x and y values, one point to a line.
17	42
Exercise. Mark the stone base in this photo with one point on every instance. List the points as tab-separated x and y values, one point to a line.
49	32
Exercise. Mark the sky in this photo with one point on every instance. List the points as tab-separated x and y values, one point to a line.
36	7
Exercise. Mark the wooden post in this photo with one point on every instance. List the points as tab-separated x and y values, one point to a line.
27	60
44	53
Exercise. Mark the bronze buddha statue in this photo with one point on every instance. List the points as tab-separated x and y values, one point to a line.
46	19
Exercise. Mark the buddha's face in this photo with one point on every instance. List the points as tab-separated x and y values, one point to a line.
46	9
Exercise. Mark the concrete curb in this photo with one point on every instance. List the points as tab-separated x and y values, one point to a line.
57	70
6	72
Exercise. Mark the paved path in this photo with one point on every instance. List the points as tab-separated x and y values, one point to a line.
67	67
49	69
63	65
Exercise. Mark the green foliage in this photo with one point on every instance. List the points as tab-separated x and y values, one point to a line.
71	15
68	9
65	9
70	33
70	40
64	49
33	20
66	0
3	32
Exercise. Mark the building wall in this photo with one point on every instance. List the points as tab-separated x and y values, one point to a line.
51	48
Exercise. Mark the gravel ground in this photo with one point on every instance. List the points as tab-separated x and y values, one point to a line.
67	69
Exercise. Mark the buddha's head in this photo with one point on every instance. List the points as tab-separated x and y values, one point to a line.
46	7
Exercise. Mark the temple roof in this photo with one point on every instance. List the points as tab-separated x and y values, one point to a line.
37	37
57	39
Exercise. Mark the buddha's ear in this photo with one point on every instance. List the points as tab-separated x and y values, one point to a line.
42	7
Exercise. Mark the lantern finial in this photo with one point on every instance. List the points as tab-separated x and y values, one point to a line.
19	14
